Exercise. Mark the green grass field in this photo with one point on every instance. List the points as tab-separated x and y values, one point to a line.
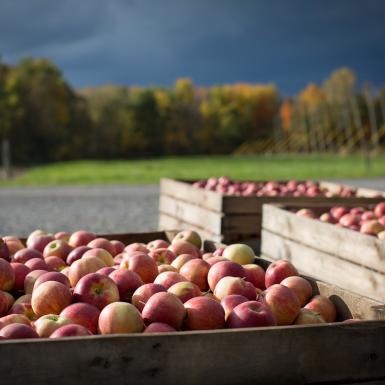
253	167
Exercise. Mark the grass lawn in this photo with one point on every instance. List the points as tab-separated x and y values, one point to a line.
246	167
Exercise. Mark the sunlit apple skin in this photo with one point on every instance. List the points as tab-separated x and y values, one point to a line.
24	309
37	264
181	259
127	282
76	254
301	288
157	244
164	267
203	313
136	246
81	238
7	275
190	236
283	302
158	327
23	255
4	303
52	276
39	242
185	290
196	271
308	317
20	271
166	308
183	247
118	247
50	297
234	285
47	324
14	319
143	293
96	289
141	264
231	301
277	271
120	317
162	255
169	278
328	218
224	269
239	253
82	267
30	279
18	330
215	259
379	210
26	298
4	251
106	270
103	254
70	330
83	314
255	274
57	248
250	314
324	306
338	211
63	236
13	244
55	263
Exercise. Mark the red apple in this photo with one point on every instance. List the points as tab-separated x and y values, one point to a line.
371	227
14	319
106	270
250	314
17	330
120	317
50	298
183	247
308	213
239	253
52	276
277	271
301	288
235	285
379	210
166	308
70	330
81	238
7	275
143	293
30	279
141	264
55	263
231	301
127	282
47	324
367	216
158	327
76	254
137	246
39	242
13	244
96	289
203	313
26	298
62	235
196	271
83	314
4	303
338	211
328	218
206	256
4	251
20	272
102	243
26	254
165	267
324	306
169	278
189	236
255	274
185	290
307	316
283	302
162	255
57	248
37	264
215	259
24	309
181	259
157	244
349	219
103	254
118	247
82	267
219	252
224	269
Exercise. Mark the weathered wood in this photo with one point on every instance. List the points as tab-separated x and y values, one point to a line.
344	243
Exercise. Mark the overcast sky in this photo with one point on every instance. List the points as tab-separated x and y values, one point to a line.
152	42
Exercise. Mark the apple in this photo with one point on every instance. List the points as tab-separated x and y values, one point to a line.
55	263
37	264
214	259
250	314
165	267
367	216
14	319
324	306
196	271
371	227
283	302
62	235
4	303
143	293
57	248
26	254
185	290
47	324
76	254
234	285
13	244
119	258
141	264
307	316
70	330
82	267
381	235
357	210
26	298
52	276
166	308
328	218
379	210
162	255
103	254
181	259
308	213
127	282
203	313
118	247
24	309
50	297
206	256
96	289
218	252
382	220
230	301
20	272
301	288
7	275
255	274
136	246
18	330
81	238
102	243
179	247
239	253
278	270
30	279
120	317
158	327
224	269
169	278
338	211
107	270
4	251
349	219
83	314
157	244
39	242
189	236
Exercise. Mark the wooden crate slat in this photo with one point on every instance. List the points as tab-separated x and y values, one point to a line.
343	243
324	266
360	191
242	224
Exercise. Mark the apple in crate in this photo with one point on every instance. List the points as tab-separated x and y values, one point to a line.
162	255
224	269
379	210
277	271
164	267
301	288
70	330
338	212
169	278
120	317
39	242
181	259
231	301
190	236
158	327
185	290
47	324
328	218
239	253
14	319
76	254
141	264
250	314
234	285
20	271
203	313
102	243
62	235
307	316
57	248
30	280
118	247
179	247
4	303
25	254
215	259
84	314
7	275
82	267
371	227
81	238
136	246
52	276
196	271
143	293
16	331
103	254
37	264
4	251
127	282
55	263
157	244
25	298
324	306
308	213
13	244
255	274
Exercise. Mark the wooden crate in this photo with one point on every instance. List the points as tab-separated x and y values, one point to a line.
231	219
347	258
339	353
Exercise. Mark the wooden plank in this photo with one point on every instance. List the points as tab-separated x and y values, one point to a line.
186	192
344	243
242	224
324	266
286	355
360	191
191	213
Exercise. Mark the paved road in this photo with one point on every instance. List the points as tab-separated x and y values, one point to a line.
96	208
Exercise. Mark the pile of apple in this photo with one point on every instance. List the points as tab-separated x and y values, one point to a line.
272	188
366	221
79	284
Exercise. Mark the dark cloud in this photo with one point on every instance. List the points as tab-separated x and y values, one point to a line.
212	41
